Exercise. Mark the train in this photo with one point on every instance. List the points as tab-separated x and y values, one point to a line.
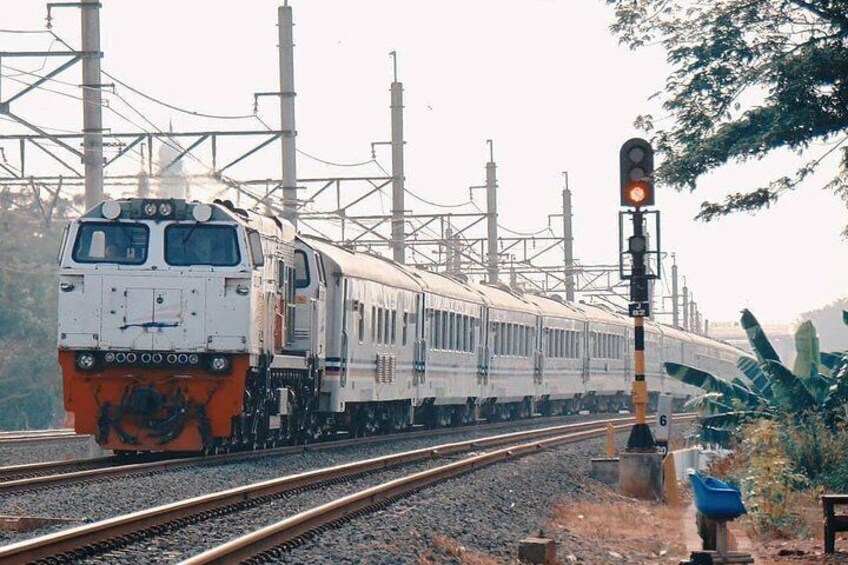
201	327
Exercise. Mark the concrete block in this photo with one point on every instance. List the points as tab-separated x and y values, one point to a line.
640	475
537	550
605	470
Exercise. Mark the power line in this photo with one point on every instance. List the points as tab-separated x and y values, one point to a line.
175	107
331	163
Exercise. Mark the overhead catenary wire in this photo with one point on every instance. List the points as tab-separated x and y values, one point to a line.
175	107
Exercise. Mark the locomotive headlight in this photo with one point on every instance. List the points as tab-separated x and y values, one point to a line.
109	357
145	357
194	359
165	209
172	358
150	209
182	358
218	363
121	357
86	361
132	357
157	358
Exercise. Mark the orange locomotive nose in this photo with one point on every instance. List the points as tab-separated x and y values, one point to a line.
153	408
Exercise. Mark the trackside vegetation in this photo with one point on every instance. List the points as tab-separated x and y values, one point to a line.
788	428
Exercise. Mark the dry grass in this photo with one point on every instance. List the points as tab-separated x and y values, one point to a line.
448	550
627	527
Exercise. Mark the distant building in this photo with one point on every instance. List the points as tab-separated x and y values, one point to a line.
781	336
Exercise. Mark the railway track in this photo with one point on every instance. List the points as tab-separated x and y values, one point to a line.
81	542
56	474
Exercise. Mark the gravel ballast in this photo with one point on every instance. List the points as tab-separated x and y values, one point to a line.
95	501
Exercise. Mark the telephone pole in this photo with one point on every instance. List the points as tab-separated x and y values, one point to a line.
675	313
92	117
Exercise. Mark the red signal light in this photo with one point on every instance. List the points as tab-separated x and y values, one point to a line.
638	193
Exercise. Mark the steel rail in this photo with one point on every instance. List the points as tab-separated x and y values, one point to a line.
38	476
293	527
72	543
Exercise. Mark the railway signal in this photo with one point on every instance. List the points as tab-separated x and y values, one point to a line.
636	160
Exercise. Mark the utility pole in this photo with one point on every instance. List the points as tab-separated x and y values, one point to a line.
693	320
675	313
567	241
449	251
492	214
92	118
398	223
685	306
287	125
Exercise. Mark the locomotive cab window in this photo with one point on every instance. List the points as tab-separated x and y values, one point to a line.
191	244
255	243
121	243
301	270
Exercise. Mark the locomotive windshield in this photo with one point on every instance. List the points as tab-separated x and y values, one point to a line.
193	244
122	243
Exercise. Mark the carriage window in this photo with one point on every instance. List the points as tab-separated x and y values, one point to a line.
121	243
373	324
301	269
405	330
361	330
191	244
394	327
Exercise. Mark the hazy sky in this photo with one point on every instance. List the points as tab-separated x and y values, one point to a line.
545	81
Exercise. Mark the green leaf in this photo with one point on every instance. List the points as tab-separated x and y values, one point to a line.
711	383
793	393
759	380
727	420
833	360
757	338
709	402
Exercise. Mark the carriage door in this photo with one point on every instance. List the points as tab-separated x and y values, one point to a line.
483	351
421	344
628	355
280	306
539	358
587	351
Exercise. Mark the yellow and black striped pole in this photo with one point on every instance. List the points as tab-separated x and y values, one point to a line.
640	438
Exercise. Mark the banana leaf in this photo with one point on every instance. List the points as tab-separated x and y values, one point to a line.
711	383
793	392
759	381
757	337
833	407
727	420
833	360
807	357
710	401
